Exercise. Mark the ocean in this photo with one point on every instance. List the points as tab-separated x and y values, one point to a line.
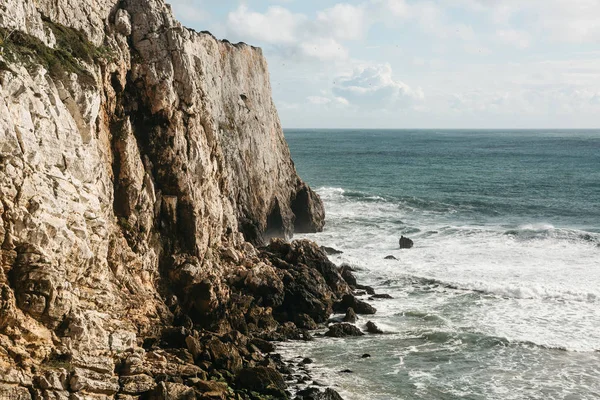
500	296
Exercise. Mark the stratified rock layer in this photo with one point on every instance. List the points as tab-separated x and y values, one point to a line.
140	165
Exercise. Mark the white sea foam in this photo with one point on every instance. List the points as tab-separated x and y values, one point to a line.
537	283
519	300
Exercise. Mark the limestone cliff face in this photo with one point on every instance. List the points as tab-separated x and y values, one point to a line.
140	163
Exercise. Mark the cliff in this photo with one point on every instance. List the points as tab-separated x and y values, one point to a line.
142	167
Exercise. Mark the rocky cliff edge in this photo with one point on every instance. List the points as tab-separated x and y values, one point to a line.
142	167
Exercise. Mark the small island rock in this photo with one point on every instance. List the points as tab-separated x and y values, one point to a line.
405	243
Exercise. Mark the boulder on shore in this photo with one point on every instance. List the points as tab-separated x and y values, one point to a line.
372	328
264	380
350	316
380	296
346	273
359	306
313	393
331	251
406	243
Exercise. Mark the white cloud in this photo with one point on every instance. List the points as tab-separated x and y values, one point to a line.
277	26
322	100
295	34
374	86
343	21
571	21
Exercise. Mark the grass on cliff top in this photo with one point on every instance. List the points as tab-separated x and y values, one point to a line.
72	48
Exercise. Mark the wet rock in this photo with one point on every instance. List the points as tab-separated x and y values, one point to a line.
331	251
390	257
330	394
347	275
381	296
313	393
343	330
350	316
346	371
308	253
304	321
366	355
263	345
366	288
405	243
359	306
307	360
308	210
372	328
263	380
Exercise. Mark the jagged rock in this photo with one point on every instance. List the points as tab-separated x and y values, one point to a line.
304	321
138	175
310	393
263	380
405	243
347	275
263	345
14	392
308	253
381	296
359	306
223	355
87	381
137	384
313	393
350	316
308	210
211	390
53	379
331	251
372	328
343	330
172	391
368	289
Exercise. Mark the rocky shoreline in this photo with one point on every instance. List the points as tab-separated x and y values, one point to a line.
143	174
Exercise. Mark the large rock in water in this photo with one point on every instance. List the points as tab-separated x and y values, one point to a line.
405	243
359	306
342	330
140	164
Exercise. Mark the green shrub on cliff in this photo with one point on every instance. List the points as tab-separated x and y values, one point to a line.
71	51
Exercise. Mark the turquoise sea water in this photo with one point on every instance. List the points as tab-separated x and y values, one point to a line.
500	297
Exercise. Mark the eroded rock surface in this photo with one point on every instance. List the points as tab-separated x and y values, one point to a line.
141	165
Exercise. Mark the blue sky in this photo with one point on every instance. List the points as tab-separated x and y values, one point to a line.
420	63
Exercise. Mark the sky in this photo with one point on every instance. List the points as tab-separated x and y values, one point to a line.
420	63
